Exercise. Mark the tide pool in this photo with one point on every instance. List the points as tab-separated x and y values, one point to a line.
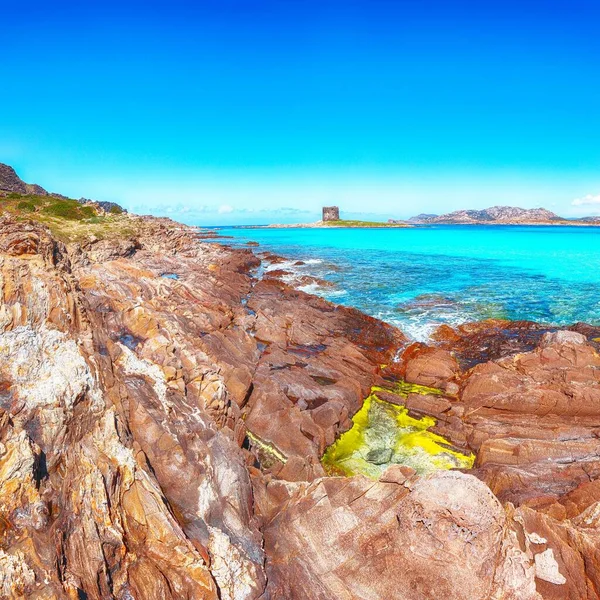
420	278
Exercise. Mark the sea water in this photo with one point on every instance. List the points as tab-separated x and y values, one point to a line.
419	278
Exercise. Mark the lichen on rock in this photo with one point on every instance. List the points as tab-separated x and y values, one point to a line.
384	434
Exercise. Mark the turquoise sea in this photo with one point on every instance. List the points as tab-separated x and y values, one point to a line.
422	277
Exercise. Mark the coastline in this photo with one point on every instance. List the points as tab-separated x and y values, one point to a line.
281	268
331	225
421	225
447	274
206	396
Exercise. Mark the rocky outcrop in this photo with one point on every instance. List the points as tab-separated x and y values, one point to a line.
164	413
535	418
317	365
443	536
396	539
402	536
114	479
11	182
103	206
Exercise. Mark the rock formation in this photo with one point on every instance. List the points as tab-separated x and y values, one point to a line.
101	205
11	182
164	412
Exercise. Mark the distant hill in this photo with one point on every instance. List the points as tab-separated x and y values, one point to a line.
11	182
423	217
494	215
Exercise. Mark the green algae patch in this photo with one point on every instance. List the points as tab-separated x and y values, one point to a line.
367	224
384	434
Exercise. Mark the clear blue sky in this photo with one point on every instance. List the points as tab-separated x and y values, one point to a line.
248	111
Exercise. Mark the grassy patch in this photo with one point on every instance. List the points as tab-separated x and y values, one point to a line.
351	223
63	209
69	209
26	206
69	220
87	212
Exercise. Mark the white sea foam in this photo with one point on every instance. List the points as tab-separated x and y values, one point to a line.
285	265
312	288
296	272
335	293
421	327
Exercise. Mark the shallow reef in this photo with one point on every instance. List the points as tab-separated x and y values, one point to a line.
385	434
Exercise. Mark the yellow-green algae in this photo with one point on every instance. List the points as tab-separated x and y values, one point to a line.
384	434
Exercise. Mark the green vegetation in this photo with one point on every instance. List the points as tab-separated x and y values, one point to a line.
88	212
26	206
68	219
351	223
68	209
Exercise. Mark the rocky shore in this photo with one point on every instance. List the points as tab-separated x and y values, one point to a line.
165	411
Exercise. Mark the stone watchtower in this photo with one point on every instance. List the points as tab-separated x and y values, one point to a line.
331	213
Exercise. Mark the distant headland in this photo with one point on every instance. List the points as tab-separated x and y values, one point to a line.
498	215
34	197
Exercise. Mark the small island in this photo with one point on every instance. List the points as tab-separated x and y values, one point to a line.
339	224
331	219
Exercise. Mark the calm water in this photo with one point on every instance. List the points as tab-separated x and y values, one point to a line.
423	277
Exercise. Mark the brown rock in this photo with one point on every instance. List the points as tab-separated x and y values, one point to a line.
432	367
440	540
112	478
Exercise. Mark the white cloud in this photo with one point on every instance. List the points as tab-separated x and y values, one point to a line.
287	210
588	200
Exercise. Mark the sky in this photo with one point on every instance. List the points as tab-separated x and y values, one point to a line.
232	112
